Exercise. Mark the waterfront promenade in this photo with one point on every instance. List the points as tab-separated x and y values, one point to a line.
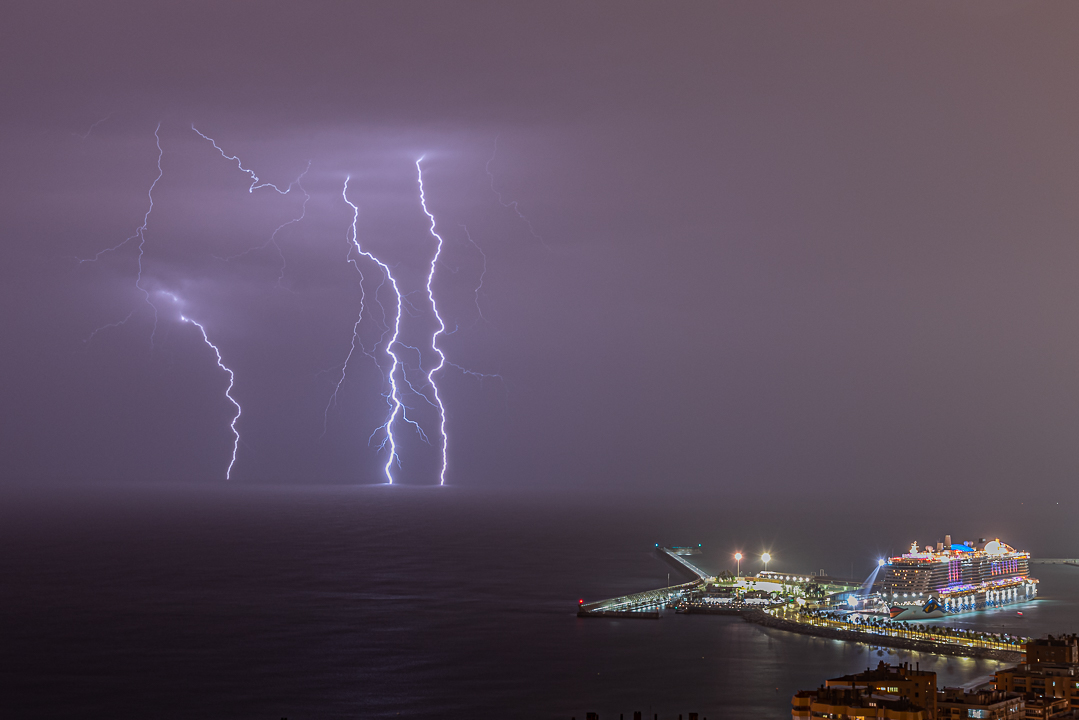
926	638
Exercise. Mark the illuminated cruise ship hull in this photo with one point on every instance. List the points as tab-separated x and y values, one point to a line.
958	578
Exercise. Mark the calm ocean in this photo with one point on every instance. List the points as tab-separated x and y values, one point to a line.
376	602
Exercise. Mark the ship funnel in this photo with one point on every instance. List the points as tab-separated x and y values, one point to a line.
947	542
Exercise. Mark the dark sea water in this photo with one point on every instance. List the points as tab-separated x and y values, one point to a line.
377	602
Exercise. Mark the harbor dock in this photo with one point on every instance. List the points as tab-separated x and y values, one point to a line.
758	601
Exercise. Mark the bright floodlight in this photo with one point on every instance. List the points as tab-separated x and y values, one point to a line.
880	563
766	557
738	560
738	556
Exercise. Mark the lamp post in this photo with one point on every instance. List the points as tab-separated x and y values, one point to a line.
766	557
738	560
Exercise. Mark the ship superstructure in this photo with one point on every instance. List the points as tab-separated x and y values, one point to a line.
959	576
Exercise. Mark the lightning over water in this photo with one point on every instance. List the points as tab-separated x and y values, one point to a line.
393	399
441	328
228	392
405	342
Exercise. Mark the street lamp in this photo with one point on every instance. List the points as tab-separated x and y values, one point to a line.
766	557
738	560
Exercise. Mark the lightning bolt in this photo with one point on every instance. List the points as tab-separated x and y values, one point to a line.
356	342
512	203
393	399
273	236
441	327
140	235
479	286
228	392
118	323
255	185
89	130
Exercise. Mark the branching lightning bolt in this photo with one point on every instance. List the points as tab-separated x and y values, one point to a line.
140	234
512	203
273	236
228	392
441	328
255	185
394	401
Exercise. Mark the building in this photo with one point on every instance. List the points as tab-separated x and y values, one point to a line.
954	703
1050	674
1047	708
1063	650
961	576
845	702
918	687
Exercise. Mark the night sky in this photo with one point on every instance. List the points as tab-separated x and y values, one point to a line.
744	247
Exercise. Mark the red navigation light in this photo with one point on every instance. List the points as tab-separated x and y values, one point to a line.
581	602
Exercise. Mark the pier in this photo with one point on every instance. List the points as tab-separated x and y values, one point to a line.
646	605
676	558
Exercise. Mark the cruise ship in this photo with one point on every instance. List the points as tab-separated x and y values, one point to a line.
953	578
